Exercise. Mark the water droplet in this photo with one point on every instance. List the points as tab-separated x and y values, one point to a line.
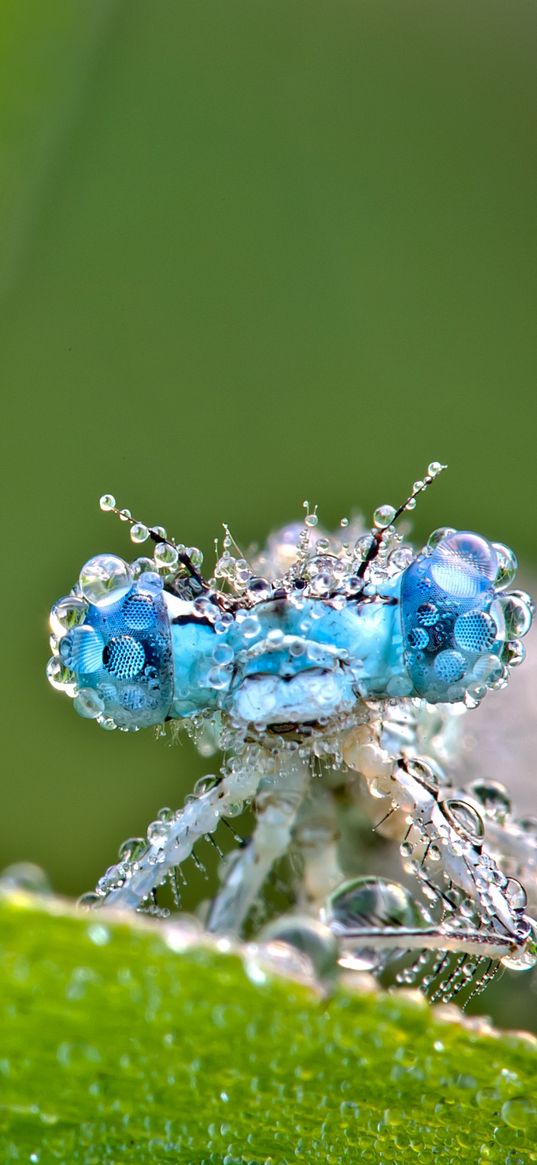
166	555
81	649
139	532
223	653
524	958
88	704
105	579
308	936
516	895
514	653
517	610
369	904
464	819
259	588
61	677
507	566
520	1112
439	535
384	516
150	583
107	502
493	797
435	468
66	614
25	876
158	833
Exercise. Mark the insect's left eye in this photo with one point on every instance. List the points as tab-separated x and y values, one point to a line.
456	623
112	648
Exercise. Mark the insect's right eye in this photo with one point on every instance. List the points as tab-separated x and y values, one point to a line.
456	634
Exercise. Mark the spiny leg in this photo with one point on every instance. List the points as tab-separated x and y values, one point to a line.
169	843
277	804
443	845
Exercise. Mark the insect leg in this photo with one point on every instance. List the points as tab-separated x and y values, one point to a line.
129	883
277	803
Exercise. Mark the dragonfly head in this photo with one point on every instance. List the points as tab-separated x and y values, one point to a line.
111	646
461	631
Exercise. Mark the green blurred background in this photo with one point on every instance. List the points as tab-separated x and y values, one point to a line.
250	252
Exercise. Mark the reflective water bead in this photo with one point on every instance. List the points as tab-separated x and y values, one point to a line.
383	516
524	958
166	555
366	904
464	818
107	502
308	936
125	515
25	876
66	614
61	678
223	653
507	566
434	468
259	588
520	1112
139	532
517	613
88	703
513	653
107	722
105	579
141	566
158	833
251	627
439	535
82	649
516	895
150	583
363	545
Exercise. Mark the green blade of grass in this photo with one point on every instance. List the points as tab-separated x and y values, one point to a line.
115	1047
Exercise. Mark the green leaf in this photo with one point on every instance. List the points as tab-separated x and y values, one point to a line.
116	1047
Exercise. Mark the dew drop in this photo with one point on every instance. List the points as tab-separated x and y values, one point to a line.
139	532
25	876
368	904
507	566
493	797
107	502
88	704
105	579
166	555
520	1112
383	516
66	614
61	677
310	937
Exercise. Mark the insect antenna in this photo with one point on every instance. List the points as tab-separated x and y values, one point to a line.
386	516
157	534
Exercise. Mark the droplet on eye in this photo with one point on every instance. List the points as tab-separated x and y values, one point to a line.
105	579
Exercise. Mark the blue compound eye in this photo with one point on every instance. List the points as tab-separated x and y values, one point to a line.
114	647
124	657
452	639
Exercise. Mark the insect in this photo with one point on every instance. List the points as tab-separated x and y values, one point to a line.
325	667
